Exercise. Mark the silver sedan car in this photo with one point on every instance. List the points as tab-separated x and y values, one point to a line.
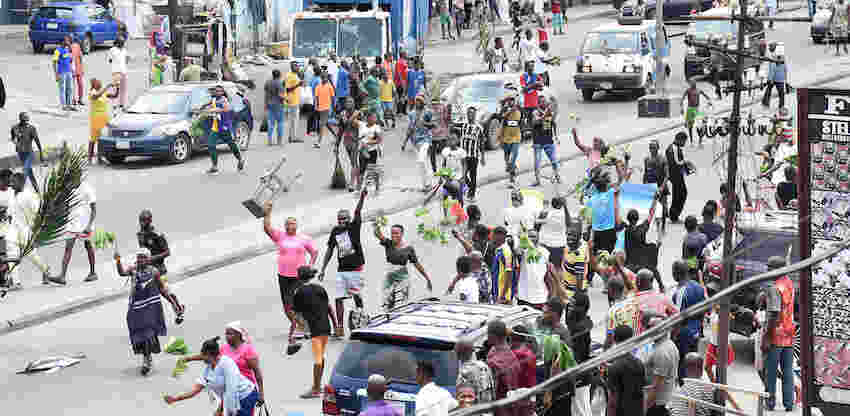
485	91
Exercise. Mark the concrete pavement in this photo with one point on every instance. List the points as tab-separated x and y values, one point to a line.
247	291
195	253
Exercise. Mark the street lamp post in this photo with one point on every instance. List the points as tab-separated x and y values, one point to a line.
732	171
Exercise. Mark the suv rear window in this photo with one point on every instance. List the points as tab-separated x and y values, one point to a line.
398	362
55	12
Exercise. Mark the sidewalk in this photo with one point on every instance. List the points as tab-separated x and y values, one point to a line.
574	14
36	304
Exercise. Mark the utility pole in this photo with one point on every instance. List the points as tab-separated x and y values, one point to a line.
177	43
732	171
660	42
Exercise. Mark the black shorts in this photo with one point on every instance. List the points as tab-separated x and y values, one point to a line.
604	240
288	286
556	255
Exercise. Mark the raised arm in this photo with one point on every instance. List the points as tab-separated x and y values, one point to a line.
579	144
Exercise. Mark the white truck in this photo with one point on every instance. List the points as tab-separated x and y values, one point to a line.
317	34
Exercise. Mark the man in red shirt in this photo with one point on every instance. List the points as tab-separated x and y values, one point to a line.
649	299
524	352
531	83
504	365
778	340
401	81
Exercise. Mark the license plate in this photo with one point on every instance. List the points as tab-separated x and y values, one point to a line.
606	85
53	26
122	145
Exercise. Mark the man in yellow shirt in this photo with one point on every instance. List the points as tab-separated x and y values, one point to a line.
575	262
292	106
511	135
386	95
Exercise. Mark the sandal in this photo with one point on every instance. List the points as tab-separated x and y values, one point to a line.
311	394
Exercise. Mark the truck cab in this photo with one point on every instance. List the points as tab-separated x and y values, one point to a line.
700	61
615	57
352	33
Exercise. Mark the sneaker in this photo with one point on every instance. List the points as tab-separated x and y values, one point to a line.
59	280
212	171
179	319
45	277
241	165
311	394
14	286
339	332
316	146
92	277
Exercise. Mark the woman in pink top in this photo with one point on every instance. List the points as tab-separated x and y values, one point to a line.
240	349
292	250
594	154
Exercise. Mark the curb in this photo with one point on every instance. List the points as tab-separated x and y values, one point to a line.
51	314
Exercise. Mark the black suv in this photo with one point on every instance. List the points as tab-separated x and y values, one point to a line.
713	65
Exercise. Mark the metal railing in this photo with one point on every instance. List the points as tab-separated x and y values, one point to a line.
692	402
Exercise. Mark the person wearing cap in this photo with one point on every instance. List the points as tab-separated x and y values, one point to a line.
431	400
655	171
661	367
504	365
626	376
677	165
221	377
156	242
473	142
241	350
474	372
511	134
777	76
145	318
23	135
191	71
778	340
420	123
687	294
376	387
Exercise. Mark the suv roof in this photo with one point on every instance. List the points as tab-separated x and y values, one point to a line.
191	85
616	27
440	321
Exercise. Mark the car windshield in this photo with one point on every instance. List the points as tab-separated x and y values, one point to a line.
481	91
398	362
314	37
609	42
712	27
160	103
55	12
360	36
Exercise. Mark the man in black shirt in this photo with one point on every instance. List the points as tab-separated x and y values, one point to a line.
345	238
626	378
580	326
711	229
158	246
544	142
23	134
312	303
677	167
655	171
472	142
787	191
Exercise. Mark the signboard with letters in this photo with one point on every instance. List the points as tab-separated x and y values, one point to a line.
824	303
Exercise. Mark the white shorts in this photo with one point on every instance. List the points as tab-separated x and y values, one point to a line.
348	284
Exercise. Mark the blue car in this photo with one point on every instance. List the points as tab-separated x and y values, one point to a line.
160	123
391	344
88	22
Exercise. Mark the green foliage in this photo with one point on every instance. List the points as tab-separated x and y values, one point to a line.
177	346
103	239
421	212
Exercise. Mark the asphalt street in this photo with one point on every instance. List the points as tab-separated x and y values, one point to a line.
108	378
187	203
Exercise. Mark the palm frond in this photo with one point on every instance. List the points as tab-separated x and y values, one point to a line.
58	199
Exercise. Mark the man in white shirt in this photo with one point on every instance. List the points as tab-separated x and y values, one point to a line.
553	231
467	284
432	400
118	60
81	227
454	157
528	48
531	288
518	216
22	208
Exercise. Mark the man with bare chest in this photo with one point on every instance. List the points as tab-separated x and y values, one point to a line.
692	94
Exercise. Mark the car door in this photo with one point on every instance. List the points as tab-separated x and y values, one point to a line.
96	23
110	29
200	97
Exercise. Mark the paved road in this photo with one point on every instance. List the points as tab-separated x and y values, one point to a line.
246	292
196	204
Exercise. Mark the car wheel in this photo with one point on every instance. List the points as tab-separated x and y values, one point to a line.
493	130
243	135
181	149
86	44
116	160
587	94
37	47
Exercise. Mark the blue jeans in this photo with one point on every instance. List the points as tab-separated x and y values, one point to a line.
811	8
66	88
276	122
27	158
511	153
246	405
777	356
549	149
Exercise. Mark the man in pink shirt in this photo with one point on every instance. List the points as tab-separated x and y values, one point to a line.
77	58
292	250
650	300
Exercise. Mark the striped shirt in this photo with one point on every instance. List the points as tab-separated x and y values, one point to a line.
574	266
472	134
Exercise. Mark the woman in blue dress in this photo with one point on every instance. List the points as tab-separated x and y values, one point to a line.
145	319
